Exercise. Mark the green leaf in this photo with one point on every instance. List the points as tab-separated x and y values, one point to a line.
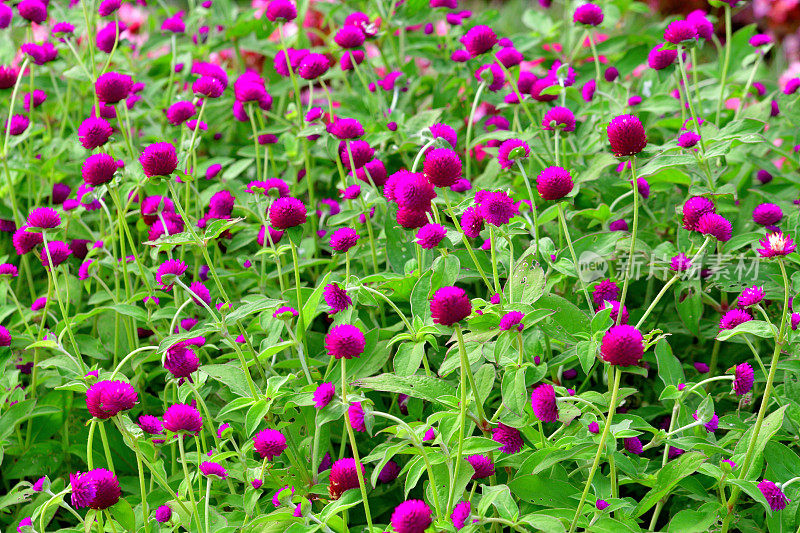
312	302
122	512
759	328
422	120
500	497
252	305
567	322
527	282
587	354
669	476
670	371
772	423
513	390
131	311
688	300
543	490
423	387
752	490
408	358
229	375
349	499
215	228
255	415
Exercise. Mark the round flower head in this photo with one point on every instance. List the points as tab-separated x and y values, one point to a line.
8	270
588	14
343	477
460	515
180	112
359	150
510	320
693	209
113	87
55	253
323	394
763	176
643	187
343	239
482	465
97	489
410	218
411	516
450	305
614	305
443	131
94	132
281	10
593	427
493	75
478	40
509	437
712	425
221	205
743	379
716	226
163	514
208	86
733	318
497	208
181	361
356	414
108	7
98	169
151	425
345	341
413	191
688	139
6	14
703	26
212	469
554	183
633	445
389	472
626	135
182	417
269	443
776	244
751	296
336	297
430	235
511	151
618	225
611	74
5	337
775	497
795	321
105	399
287	212
159	159
605	290
168	271
680	31
349	37
345	128
680	263
43	218
767	214
543	402
33	10
559	118
442	167
39	98
622	345
312	66
19	123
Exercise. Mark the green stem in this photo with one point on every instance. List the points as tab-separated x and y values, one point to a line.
629	269
361	484
189	486
475	101
726	63
563	220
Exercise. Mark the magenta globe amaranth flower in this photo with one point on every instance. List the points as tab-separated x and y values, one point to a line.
94	132
775	497
716	226
411	516
622	345
211	469
287	212
605	290
626	136
343	477
688	139
159	159
554	183
442	167
693	209
323	394
496	208
180	112
33	10
510	320
343	239
336	297
98	169
430	235
163	514
509	437
482	466
776	244
113	87
767	214
543	402
511	151
450	305
559	118
356	414
478	40
733	318
43	218
181	361
680	32
614	315
588	14
633	445
168	272
349	37
312	66
281	11
345	128
269	443
55	253
345	341
151	425
460	515
751	296
105	399
743	379
97	489
181	417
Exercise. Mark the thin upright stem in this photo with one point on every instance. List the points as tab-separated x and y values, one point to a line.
361	484
629	269
727	61
563	220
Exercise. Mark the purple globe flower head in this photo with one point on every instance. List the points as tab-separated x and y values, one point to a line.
751	296
588	14
208	86
345	128
593	428
763	176
108	7
611	74
269	443
493	75
285	313
25	241
105	399
411	516
460	515
688	139
168	272
181	361
716	226
98	169
767	214
776	244
791	86
450	305
356	414
94	132
281	11
39	97
614	305
694	209
430	235
703	26
349	37
511	151
588	90
512	319
33	10
601	505
462	185
113	87
43	218
775	497
442	167
733	318
642	187
510	57
163	514
5	337
759	40
509	437
543	402
622	345
6	14
343	476
336	297
284	493
389	472
443	131
17	125
345	341
181	417
713	423
213	470
97	489
633	445
626	135
554	183
151	425
180	112
7	270
680	32
159	159
287	212
55	253
605	290
478	40
343	239
482	465
312	66
497	208
323	394
559	118
743	379
287	61
795	321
